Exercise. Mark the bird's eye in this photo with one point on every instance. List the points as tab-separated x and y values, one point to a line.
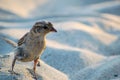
45	27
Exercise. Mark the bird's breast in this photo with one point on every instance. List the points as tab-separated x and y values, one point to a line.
34	48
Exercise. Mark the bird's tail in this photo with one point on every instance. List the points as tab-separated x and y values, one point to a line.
14	44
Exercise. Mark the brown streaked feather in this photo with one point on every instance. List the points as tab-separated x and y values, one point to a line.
22	40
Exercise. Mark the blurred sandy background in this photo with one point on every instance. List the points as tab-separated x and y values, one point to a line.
87	45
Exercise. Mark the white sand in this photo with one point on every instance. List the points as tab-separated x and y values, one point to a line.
25	72
86	46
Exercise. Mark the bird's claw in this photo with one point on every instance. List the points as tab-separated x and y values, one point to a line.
38	64
12	72
35	77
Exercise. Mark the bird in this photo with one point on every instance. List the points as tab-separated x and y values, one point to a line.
32	44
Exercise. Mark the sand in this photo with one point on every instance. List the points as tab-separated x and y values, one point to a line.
86	46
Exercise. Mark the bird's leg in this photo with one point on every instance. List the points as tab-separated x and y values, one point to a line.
34	68
38	64
35	63
13	64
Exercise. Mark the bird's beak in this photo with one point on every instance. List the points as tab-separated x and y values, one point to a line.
53	30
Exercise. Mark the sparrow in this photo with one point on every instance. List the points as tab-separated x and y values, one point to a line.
32	44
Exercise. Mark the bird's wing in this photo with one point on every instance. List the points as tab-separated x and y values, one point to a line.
22	40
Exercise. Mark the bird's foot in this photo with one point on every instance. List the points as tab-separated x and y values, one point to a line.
35	77
12	72
38	64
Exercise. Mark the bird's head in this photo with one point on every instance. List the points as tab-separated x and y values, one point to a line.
43	28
